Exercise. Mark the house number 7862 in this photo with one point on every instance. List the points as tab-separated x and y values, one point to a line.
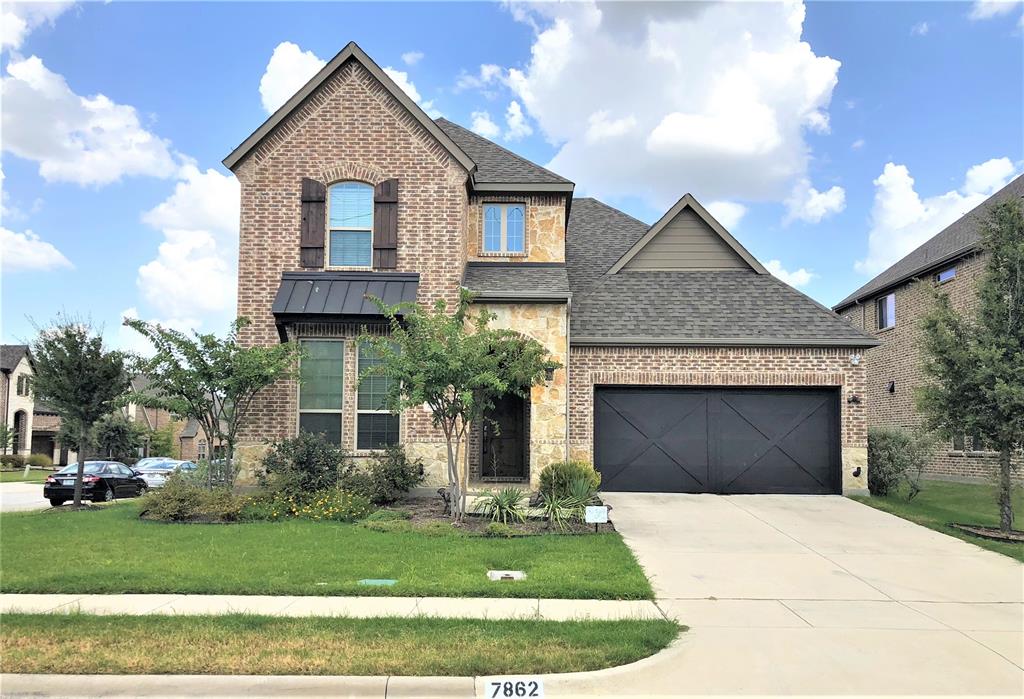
499	689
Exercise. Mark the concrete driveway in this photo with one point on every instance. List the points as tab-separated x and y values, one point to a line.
815	595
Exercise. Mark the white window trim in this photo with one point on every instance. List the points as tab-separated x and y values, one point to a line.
892	321
942	271
504	252
360	411
330	230
298	392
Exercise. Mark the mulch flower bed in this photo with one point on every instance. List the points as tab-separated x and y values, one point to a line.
425	510
1014	536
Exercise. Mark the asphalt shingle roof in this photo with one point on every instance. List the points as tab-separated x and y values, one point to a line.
495	164
10	355
687	307
516	279
959	237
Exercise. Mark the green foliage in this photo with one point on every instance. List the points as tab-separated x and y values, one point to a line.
302	464
557	478
7	434
388	476
566	504
976	363
330	504
499	530
208	378
456	365
502	506
387	525
387	515
117	437
12	460
39	461
161	441
897	456
182	500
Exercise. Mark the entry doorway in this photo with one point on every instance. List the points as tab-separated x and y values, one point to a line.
503	456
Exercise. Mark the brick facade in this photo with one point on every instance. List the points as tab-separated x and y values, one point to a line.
898	360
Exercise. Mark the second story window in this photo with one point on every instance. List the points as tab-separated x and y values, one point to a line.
24	385
887	311
505	228
350	216
945	275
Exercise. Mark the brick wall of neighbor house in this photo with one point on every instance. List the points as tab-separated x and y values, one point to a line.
16	404
899	359
545	227
351	128
720	366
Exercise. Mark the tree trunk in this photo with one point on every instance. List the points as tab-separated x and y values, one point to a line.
453	479
81	470
1005	489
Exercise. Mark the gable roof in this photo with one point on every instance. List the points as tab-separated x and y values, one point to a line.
688	202
959	238
695	307
497	167
351	51
10	355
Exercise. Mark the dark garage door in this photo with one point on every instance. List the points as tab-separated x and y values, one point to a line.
736	440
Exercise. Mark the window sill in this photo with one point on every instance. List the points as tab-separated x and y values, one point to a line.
353	268
503	254
885	330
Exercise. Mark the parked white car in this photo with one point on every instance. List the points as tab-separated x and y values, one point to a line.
156	471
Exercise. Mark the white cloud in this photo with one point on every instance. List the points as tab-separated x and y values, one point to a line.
85	140
481	123
727	92
22	252
193	275
805	203
488	74
515	121
17	20
987	9
857	145
920	29
411	58
728	213
129	340
288	69
401	79
901	219
796	279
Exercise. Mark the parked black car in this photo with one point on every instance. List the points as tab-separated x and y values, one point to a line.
102	481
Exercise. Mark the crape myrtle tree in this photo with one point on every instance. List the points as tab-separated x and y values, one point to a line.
456	365
211	379
976	361
80	379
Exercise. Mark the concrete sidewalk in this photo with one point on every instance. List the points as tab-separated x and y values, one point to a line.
364	607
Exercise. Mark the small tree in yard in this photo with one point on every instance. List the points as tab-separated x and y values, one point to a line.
210	379
6	437
117	437
456	365
977	363
80	379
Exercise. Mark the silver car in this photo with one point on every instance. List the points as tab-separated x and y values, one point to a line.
156	471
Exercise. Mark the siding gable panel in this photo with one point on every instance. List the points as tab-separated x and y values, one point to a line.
687	242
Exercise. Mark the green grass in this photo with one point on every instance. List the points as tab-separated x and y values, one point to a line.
19	476
941	503
261	645
110	550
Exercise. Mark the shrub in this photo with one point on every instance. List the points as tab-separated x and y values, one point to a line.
335	504
303	464
388	476
40	461
897	456
503	505
556	479
12	460
181	500
498	530
389	516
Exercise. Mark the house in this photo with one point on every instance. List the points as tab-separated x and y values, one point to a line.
193	445
686	367
891	306
16	374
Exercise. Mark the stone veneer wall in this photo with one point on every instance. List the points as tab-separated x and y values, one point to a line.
899	359
721	366
545	227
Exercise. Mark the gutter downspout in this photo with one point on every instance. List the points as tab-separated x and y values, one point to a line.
568	350
7	401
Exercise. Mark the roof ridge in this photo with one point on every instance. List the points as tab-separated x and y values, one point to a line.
518	157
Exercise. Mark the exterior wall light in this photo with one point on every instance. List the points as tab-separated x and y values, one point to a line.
853	399
892	387
855	359
549	374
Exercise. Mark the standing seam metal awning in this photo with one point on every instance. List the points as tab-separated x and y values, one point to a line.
339	296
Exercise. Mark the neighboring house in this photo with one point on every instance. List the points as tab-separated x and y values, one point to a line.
193	445
891	307
16	375
685	366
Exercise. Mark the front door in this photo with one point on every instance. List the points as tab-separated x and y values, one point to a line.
503	454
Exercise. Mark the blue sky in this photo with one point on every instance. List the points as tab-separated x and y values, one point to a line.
830	138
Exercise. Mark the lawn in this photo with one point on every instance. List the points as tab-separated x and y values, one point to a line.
19	476
261	645
942	502
109	550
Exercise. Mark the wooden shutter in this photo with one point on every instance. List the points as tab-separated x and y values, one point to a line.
385	225
314	219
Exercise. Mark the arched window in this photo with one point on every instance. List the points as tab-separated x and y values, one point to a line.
20	418
350	218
